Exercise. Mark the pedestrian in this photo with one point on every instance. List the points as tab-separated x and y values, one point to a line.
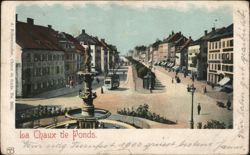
199	108
97	80
228	104
193	78
205	89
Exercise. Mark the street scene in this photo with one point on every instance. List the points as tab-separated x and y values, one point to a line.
87	76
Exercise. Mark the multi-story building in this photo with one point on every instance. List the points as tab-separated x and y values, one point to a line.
40	59
220	57
181	54
155	51
74	56
165	46
98	66
197	55
176	46
104	56
86	40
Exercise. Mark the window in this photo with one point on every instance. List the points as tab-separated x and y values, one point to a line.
215	45
219	67
44	57
57	69
28	57
35	86
223	44
215	55
39	72
52	70
67	67
37	57
44	71
231	43
219	44
61	69
228	43
50	57
54	57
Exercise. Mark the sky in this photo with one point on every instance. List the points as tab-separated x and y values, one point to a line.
129	24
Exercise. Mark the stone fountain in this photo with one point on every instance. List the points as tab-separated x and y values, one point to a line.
87	116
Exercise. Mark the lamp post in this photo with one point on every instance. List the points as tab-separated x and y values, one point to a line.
192	90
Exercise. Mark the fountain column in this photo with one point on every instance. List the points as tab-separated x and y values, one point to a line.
87	95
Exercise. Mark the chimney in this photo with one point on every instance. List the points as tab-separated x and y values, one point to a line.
205	32
83	31
172	32
30	21
49	26
213	29
16	17
103	40
190	37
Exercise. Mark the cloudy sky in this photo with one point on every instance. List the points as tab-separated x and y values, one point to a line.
127	24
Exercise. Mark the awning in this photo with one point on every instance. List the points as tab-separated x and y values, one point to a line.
171	65
224	81
175	67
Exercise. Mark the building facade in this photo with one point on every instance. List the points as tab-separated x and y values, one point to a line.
74	57
220	57
41	59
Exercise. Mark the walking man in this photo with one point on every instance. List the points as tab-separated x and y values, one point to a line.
199	108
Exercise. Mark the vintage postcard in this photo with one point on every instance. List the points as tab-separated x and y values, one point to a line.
124	77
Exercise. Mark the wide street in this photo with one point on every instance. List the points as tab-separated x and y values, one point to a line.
174	102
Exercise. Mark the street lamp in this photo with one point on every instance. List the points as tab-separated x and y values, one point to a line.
192	90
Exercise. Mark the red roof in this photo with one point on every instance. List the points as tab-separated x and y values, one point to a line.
77	44
30	36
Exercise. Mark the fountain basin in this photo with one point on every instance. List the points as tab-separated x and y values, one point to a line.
76	114
107	124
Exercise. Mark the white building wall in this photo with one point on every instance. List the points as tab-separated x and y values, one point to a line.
178	59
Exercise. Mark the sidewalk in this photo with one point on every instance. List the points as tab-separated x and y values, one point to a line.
199	85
